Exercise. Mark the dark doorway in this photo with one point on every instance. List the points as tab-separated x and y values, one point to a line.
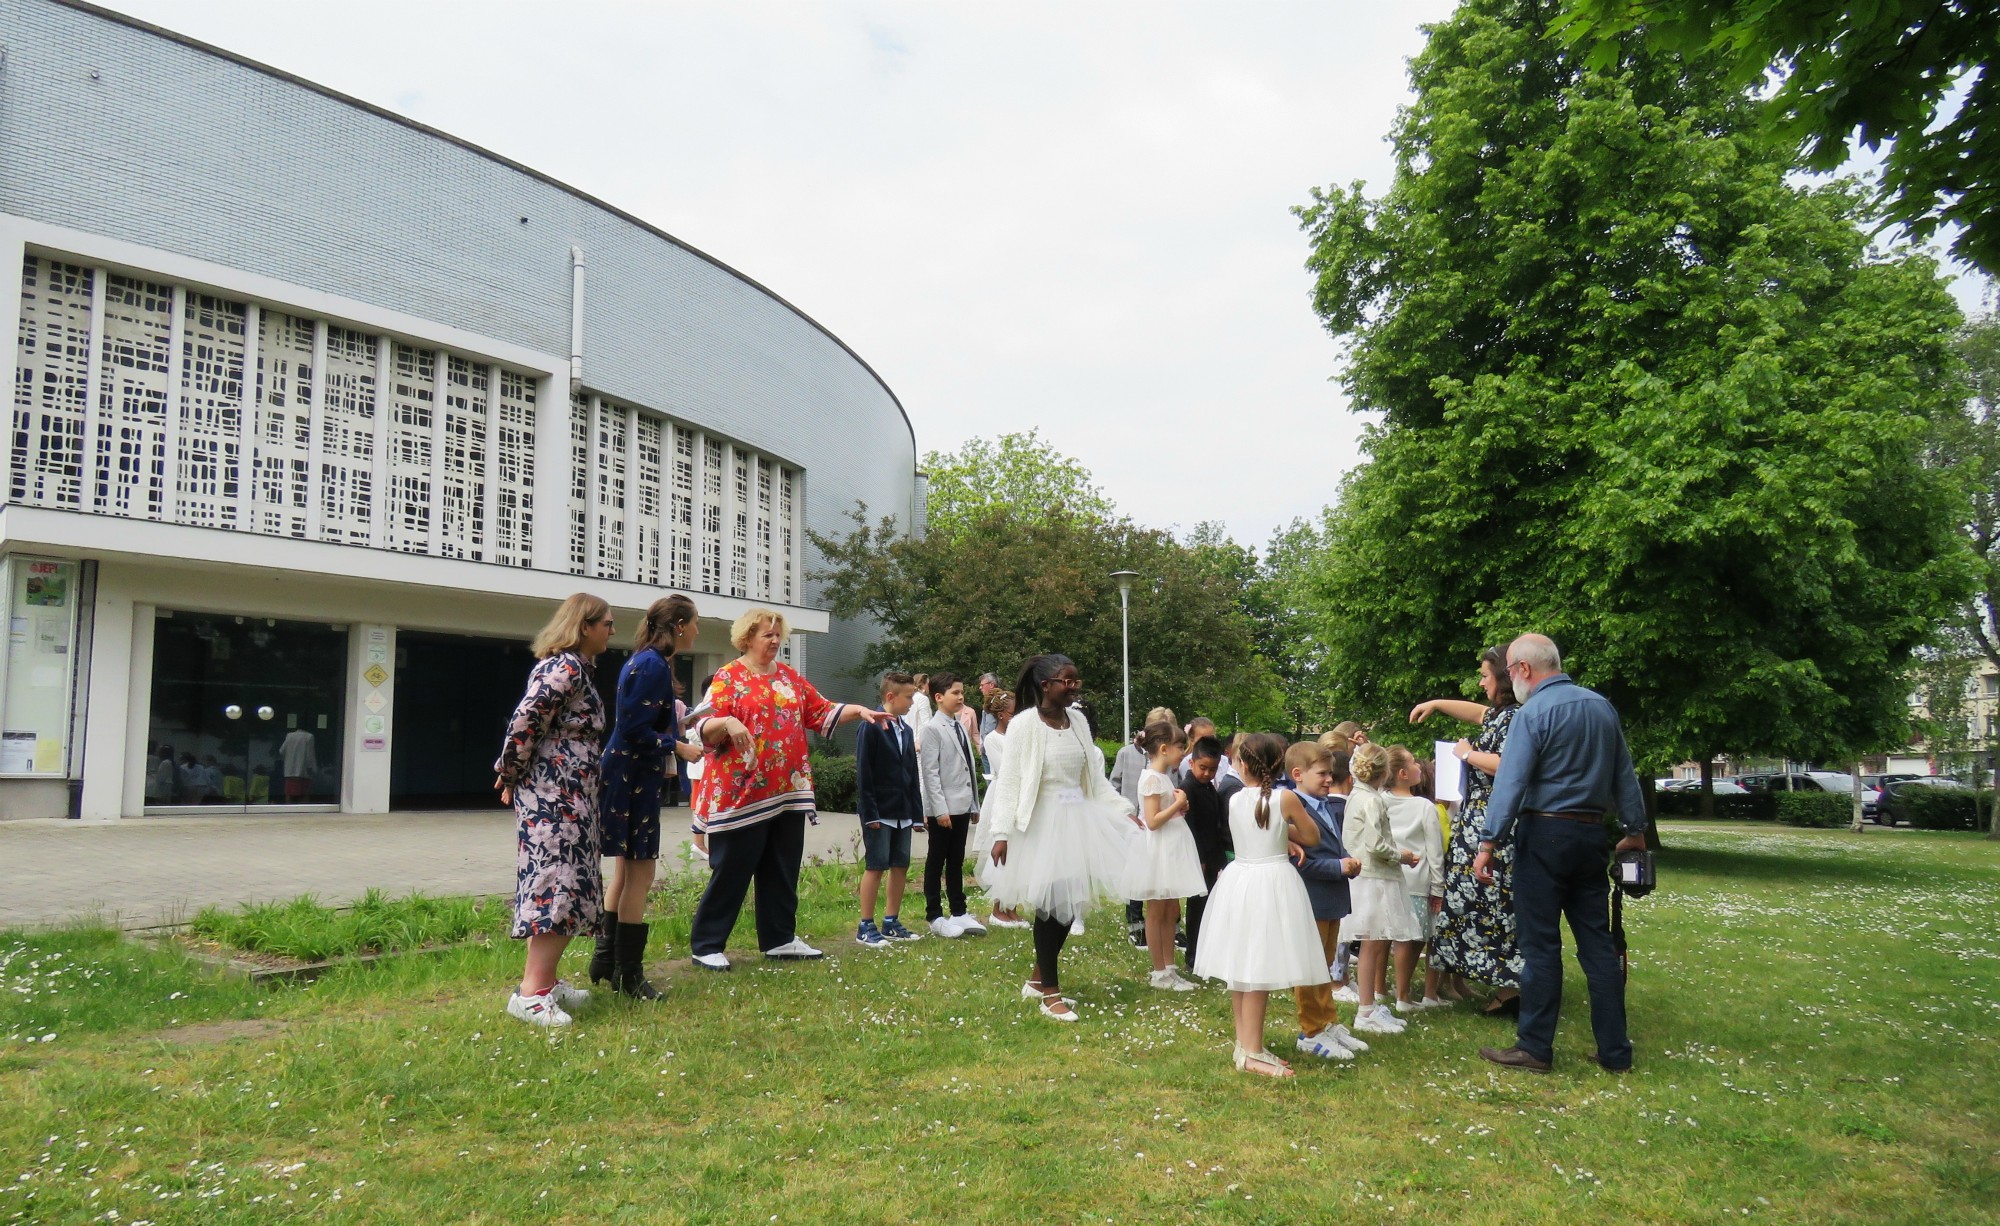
454	696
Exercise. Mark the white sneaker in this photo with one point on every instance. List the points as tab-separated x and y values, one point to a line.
969	925
568	996
539	1010
1408	1006
1168	981
1432	1002
1346	994
1319	1045
1076	926
793	950
712	962
946	927
1340	1034
1377	1020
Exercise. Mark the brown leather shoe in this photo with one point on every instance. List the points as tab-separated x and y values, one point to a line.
1594	1058
1514	1057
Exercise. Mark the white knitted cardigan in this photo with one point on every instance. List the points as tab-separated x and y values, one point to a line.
1010	803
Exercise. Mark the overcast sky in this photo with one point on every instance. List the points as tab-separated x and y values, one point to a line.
1071	217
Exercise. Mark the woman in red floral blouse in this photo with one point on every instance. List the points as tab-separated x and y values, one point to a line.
756	791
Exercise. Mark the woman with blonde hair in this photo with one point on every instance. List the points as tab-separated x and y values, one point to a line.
548	772
638	767
757	789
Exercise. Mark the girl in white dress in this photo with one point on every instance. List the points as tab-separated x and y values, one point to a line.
1381	911
1257	933
1061	838
1168	868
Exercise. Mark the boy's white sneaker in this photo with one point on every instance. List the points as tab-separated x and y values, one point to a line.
945	926
1346	994
793	950
538	1010
1168	981
1338	1033
1319	1045
969	925
712	962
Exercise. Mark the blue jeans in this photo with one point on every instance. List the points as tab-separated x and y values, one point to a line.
1560	871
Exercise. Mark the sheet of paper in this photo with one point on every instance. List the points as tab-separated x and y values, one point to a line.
1450	772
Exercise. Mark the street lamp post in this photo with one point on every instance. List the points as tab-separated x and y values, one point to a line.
1125	578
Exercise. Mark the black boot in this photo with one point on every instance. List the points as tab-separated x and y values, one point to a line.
604	959
631	978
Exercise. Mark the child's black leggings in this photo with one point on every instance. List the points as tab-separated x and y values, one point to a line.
1049	937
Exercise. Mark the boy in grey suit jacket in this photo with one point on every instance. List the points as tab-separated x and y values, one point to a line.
949	779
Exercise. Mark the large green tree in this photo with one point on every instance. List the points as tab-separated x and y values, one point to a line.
1022	471
1913	74
1638	390
1011	585
1968	445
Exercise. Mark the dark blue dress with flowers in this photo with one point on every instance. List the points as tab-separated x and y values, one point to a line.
550	759
639	757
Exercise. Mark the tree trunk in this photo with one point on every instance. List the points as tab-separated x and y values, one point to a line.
1708	785
1856	776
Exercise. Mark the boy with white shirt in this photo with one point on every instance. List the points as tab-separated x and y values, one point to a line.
951	804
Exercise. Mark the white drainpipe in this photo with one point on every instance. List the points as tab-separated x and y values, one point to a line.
575	320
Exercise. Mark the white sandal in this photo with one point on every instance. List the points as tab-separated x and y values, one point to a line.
1051	1013
1262	1063
1033	991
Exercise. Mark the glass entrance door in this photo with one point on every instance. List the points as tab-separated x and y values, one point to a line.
246	713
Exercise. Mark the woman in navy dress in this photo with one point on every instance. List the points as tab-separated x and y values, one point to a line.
641	761
548	773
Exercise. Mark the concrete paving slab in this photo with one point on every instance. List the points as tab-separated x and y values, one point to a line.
147	871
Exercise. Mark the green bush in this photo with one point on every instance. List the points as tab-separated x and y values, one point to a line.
1740	807
1942	808
833	782
1818	810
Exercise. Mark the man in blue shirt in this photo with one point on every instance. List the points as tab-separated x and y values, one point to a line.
1566	767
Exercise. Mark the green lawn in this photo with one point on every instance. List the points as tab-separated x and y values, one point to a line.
1814	1014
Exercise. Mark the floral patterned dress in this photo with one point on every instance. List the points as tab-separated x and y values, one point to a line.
1475	928
774	777
638	756
550	759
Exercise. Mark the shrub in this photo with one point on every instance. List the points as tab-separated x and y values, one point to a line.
1942	808
833	782
1819	810
1745	807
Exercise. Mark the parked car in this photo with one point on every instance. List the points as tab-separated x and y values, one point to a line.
1800	781
1893	811
1871	793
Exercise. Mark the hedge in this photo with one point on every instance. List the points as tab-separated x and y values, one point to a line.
1819	810
833	781
1741	807
1942	808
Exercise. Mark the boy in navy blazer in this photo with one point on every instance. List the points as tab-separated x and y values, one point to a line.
890	803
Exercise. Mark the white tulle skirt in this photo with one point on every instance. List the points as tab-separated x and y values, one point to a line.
1381	912
1167	865
1073	855
1257	933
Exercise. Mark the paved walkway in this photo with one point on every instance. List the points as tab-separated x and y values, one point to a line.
146	871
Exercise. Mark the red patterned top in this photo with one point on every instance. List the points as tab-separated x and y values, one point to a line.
739	789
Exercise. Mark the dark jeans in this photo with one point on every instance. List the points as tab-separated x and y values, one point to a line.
945	859
1049	937
1560	872
768	853
1197	905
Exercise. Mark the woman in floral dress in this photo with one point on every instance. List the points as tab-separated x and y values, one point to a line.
1475	929
548	771
756	790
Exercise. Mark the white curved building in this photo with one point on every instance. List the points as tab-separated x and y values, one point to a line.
316	413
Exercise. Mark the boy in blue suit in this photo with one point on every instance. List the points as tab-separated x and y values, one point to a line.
890	803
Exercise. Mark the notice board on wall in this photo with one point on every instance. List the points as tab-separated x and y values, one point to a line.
41	641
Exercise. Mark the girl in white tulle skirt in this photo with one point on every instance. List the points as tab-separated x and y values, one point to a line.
1061	838
1257	933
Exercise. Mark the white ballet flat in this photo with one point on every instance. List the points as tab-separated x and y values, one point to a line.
1032	991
